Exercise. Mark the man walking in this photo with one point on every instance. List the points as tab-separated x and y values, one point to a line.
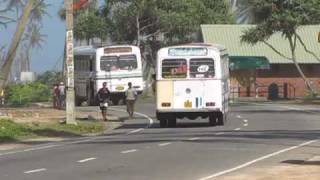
62	95
103	95
131	96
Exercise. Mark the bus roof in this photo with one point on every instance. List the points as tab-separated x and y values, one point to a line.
215	47
85	50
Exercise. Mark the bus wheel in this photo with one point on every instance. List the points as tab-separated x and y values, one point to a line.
220	119
163	123
212	120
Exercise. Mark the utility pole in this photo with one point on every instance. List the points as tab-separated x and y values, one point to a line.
69	61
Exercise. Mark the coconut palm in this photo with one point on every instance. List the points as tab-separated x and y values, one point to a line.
34	40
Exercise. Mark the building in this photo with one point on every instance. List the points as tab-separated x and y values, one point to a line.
255	80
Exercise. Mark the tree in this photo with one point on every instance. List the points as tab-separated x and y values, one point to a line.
284	17
21	25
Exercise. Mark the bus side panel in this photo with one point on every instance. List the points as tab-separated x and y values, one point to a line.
164	94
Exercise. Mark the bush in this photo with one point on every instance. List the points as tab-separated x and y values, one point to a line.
311	95
23	94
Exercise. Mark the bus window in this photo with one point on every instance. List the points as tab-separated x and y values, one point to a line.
109	63
128	62
174	68
202	68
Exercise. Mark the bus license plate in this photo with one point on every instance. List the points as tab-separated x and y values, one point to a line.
119	88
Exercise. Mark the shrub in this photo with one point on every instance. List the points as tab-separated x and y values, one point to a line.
23	94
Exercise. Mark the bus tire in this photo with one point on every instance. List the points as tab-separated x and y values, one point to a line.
212	120
163	123
220	118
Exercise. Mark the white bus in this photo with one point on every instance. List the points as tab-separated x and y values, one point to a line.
116	65
192	82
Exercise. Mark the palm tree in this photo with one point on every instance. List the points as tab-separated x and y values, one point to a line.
21	25
34	40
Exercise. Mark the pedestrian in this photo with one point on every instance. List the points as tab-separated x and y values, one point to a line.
131	96
2	97
62	95
103	95
55	95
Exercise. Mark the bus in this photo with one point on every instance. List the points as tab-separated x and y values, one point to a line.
116	65
192	81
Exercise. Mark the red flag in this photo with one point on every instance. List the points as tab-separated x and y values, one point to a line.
79	4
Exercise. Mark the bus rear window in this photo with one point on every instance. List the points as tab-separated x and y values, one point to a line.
109	63
174	68
202	68
128	62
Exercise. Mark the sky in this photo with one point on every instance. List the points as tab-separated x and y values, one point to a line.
50	55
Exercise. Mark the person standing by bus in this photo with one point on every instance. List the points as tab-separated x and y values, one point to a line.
62	95
131	96
103	95
55	95
2	97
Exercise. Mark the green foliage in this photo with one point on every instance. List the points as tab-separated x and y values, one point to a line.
11	131
50	78
177	20
281	16
89	26
22	94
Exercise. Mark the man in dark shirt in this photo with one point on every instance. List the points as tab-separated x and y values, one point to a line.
103	95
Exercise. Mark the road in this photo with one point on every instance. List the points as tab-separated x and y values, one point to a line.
254	136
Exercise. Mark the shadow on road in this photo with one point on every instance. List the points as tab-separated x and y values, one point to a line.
302	162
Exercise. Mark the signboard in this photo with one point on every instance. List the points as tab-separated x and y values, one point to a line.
69	62
117	50
188	51
79	4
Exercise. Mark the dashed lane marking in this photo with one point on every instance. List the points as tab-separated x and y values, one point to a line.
237	129
193	139
220	133
246	125
164	144
245	120
35	171
86	160
239	117
129	151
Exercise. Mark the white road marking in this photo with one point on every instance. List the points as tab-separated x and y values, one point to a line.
220	133
83	140
194	139
237	129
245	120
129	151
239	116
35	171
164	144
246	124
257	160
86	160
135	131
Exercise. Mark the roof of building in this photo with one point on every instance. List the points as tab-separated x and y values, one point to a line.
229	36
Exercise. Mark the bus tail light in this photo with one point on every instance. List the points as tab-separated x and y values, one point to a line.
208	104
166	104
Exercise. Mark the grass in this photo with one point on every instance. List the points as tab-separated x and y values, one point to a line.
11	131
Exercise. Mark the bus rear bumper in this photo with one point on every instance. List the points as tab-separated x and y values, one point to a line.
190	114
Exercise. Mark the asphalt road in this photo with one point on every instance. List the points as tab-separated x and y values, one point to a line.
255	135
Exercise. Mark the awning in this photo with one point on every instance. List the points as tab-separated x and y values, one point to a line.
249	62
